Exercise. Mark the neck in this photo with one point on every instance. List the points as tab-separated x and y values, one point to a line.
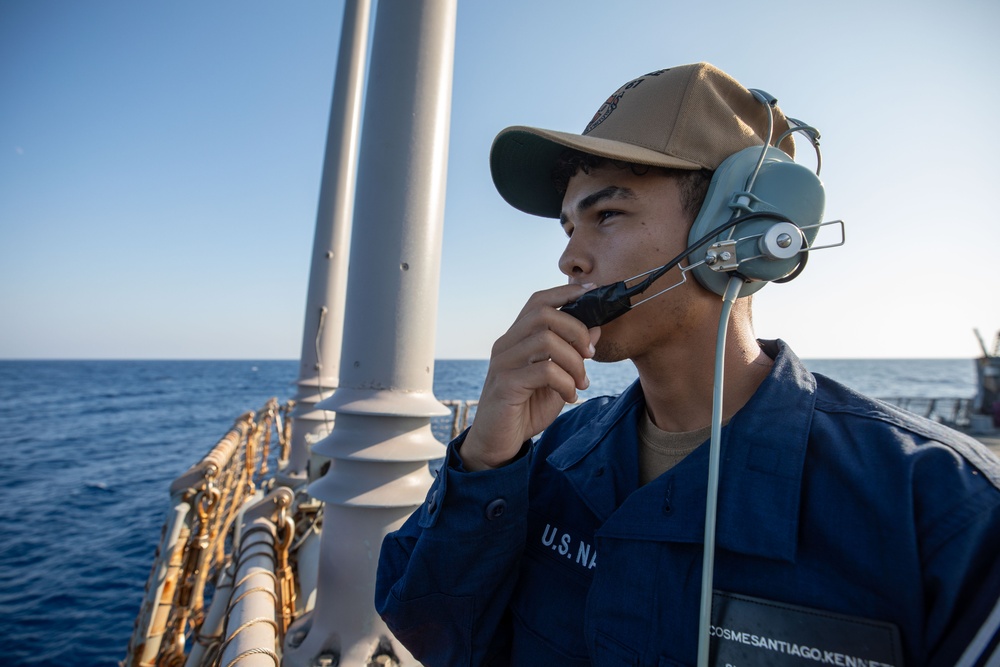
678	381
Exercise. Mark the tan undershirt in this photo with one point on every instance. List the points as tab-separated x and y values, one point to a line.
659	450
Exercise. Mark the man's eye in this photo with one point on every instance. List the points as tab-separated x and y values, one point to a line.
606	215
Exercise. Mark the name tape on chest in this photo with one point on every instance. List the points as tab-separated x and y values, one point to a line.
752	632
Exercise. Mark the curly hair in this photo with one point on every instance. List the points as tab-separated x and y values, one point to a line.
693	182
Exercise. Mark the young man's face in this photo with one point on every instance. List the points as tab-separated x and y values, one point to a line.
619	225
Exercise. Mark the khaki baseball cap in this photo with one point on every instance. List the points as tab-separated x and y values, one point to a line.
686	117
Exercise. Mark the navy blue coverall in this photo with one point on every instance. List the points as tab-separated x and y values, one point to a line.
828	500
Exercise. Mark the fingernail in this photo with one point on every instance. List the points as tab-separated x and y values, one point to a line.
592	349
588	286
586	381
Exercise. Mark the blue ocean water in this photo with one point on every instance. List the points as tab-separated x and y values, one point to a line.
89	449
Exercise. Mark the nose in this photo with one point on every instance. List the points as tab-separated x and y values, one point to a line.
576	260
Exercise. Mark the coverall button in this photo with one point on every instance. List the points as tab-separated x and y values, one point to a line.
496	509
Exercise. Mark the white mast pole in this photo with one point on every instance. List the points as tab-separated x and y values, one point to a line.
324	322
381	443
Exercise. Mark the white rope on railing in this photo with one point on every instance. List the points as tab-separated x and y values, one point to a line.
251	622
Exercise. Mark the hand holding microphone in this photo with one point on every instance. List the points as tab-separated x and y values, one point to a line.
536	367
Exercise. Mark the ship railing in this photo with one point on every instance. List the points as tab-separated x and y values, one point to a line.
220	584
462	414
196	544
954	412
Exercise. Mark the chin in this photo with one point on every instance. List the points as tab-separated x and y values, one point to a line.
609	351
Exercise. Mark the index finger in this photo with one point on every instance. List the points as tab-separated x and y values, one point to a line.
556	297
542	311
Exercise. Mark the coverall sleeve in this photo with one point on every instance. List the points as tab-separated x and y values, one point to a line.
445	577
974	638
961	553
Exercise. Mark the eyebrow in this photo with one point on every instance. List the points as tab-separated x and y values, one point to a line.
591	200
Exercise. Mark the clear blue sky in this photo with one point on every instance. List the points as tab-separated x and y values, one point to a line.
160	165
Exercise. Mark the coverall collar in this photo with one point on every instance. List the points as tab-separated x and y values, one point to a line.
763	453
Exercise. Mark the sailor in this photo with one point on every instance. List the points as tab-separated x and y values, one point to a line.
848	531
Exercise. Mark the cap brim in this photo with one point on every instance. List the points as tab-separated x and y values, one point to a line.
522	158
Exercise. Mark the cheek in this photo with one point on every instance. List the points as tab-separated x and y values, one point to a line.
673	239
649	251
653	239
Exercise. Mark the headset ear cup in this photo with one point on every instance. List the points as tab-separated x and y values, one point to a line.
730	178
803	259
789	190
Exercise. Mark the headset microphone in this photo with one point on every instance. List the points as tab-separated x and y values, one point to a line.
608	302
601	305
